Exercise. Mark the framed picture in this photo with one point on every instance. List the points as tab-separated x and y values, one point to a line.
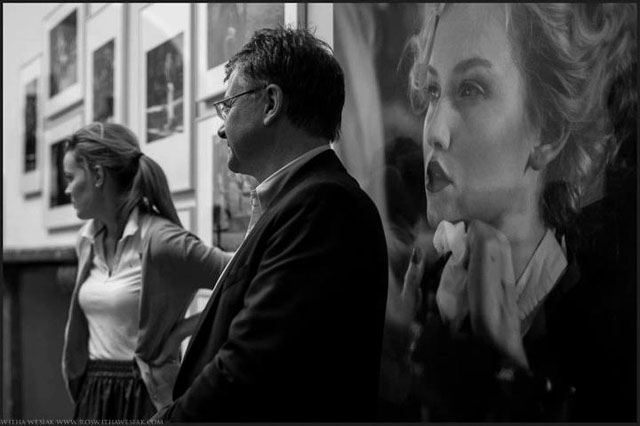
104	65
59	212
64	42
223	28
30	102
164	88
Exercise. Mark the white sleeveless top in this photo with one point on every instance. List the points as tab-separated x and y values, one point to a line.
111	302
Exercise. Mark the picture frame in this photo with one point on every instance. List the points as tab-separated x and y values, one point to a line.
164	38
222	30
104	65
95	8
58	210
64	57
30	125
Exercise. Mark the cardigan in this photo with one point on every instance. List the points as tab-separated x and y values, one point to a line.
175	263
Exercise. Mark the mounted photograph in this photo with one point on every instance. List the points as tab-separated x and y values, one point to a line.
165	89
64	57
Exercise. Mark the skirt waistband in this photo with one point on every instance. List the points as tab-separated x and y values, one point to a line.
109	368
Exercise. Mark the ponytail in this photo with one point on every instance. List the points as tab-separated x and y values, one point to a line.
150	191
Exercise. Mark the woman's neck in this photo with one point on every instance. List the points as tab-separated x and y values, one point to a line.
115	219
524	233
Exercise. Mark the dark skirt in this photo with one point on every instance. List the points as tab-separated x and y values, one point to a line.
113	390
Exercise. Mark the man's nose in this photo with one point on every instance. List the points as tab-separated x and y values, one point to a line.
221	132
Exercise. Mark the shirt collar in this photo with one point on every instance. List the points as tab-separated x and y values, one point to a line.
95	227
272	185
541	274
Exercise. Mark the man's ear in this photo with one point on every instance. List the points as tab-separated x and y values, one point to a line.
544	153
275	104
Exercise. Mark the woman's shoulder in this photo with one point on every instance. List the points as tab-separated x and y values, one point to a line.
161	235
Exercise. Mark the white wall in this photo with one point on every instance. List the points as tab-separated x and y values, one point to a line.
23	219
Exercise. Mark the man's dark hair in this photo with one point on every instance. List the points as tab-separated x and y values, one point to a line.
305	69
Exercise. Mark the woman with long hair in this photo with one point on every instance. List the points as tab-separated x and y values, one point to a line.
138	270
515	323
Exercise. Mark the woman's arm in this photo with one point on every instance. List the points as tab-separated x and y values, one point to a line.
181	331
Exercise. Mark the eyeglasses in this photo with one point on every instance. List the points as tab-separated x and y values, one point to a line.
223	106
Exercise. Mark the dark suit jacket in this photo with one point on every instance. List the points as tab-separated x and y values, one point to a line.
293	331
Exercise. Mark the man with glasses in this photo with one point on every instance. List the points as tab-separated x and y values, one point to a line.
293	329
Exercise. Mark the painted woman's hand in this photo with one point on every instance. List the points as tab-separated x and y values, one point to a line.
491	292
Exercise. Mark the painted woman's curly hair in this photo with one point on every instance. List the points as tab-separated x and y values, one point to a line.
569	55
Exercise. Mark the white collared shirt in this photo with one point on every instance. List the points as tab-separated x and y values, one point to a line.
110	299
542	273
265	192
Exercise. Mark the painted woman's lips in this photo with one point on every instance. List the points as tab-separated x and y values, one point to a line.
437	179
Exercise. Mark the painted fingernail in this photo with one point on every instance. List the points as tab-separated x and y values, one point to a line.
416	255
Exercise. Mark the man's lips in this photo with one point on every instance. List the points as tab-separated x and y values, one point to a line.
437	179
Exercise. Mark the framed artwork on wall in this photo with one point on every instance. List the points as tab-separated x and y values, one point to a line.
30	103
164	89
104	63
223	197
59	212
223	28
64	57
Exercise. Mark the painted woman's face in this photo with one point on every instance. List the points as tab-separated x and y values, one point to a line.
476	138
80	187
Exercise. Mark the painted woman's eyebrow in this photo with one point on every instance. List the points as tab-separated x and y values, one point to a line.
469	63
464	65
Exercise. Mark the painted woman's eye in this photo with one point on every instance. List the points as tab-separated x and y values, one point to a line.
433	93
469	89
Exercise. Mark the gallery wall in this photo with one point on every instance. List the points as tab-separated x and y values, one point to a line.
23	218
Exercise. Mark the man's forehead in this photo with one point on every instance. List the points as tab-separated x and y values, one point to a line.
236	82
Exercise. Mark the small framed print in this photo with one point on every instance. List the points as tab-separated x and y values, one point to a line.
104	65
59	212
164	89
30	102
231	198
64	60
223	28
